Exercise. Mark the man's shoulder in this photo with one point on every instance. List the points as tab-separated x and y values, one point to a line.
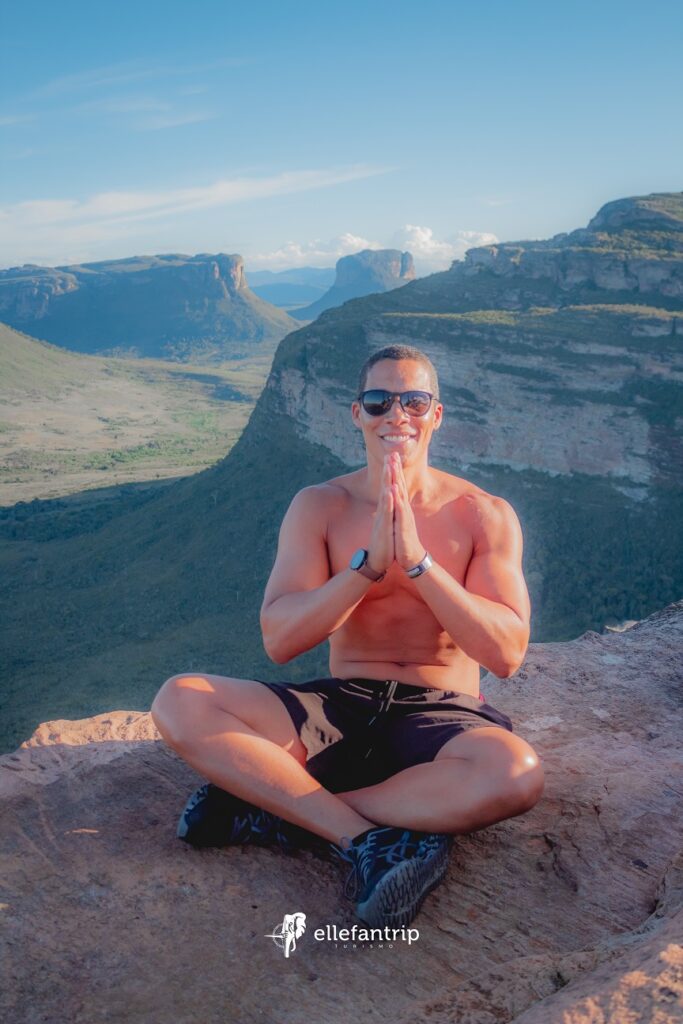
329	490
486	514
471	502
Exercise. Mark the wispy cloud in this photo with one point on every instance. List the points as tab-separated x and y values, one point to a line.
160	113
128	72
9	119
45	230
133	104
154	124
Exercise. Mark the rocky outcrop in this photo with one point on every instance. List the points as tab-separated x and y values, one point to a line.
364	273
631	245
569	914
568	268
658	212
171	306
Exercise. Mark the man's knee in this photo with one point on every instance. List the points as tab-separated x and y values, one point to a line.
179	705
526	788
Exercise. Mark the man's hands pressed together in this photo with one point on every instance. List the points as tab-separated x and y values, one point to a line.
381	546
394	532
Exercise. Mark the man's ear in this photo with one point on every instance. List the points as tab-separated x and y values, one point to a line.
438	415
355	415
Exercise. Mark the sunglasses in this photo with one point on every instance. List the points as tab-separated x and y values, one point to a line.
378	402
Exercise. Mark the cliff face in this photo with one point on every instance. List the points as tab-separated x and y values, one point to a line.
364	273
562	392
170	306
569	914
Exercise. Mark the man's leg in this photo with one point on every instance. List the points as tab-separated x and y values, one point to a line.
477	778
238	735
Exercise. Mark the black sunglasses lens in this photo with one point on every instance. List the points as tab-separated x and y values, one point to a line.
416	402
376	402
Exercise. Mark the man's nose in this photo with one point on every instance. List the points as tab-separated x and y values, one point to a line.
396	410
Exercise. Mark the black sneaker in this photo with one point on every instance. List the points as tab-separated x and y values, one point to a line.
214	817
392	870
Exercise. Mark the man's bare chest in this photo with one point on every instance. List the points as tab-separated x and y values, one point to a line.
447	539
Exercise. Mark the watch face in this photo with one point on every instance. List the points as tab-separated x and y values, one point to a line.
358	558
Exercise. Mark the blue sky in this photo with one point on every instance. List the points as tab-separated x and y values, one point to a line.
296	132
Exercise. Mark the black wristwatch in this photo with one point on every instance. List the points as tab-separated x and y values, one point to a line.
359	563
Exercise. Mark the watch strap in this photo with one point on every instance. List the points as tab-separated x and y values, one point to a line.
365	570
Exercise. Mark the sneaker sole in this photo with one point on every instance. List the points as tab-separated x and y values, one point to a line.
398	896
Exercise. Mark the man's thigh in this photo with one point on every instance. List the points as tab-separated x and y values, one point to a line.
190	703
495	748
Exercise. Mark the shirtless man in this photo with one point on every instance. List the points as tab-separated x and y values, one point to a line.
414	575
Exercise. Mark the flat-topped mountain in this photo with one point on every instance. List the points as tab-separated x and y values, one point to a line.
170	306
562	393
364	273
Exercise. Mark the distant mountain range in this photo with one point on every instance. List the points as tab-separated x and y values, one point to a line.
189	308
289	288
561	376
371	271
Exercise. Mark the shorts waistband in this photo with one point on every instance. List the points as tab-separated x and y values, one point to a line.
391	689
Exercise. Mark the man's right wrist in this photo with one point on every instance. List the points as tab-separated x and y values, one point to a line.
359	564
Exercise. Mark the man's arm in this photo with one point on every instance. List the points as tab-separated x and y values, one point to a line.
302	604
488	617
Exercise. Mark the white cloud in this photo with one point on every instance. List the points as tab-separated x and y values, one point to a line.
46	230
432	254
429	253
311	254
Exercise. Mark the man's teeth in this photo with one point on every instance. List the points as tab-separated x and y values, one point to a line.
397	437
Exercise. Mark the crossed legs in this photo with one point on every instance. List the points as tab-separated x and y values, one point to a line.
238	735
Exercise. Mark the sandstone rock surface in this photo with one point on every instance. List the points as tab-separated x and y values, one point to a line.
570	914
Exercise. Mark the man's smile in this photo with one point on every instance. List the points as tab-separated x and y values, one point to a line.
397	438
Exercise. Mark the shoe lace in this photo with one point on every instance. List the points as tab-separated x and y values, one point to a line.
377	851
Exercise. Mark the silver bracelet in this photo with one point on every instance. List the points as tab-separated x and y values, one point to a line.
421	567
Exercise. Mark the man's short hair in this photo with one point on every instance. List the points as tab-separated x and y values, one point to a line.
399	352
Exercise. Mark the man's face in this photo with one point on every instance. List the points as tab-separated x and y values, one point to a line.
396	430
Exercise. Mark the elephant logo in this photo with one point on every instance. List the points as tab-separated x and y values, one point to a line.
285	935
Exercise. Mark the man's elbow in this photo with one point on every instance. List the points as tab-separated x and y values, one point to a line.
511	659
274	649
277	654
507	669
270	641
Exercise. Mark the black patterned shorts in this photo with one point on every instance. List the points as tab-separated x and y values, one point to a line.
361	731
